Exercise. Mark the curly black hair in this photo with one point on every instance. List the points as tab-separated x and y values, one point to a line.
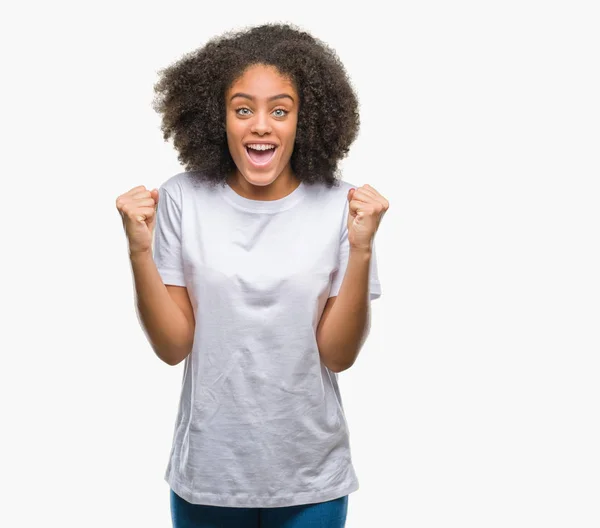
191	100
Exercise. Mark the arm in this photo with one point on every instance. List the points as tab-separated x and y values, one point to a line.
165	312
345	322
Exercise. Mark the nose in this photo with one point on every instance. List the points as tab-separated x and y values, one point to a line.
260	125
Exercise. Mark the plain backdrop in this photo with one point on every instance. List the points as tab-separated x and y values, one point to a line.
475	401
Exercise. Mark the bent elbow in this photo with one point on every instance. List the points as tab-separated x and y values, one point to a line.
172	358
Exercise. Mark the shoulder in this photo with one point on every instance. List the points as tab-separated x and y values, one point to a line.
331	203
339	196
336	194
333	200
183	184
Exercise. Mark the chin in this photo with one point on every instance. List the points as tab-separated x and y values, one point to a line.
261	180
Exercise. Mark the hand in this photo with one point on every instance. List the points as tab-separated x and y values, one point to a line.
138	211
366	209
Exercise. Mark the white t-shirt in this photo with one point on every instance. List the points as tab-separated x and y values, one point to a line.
260	420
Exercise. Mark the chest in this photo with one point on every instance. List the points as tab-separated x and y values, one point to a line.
260	259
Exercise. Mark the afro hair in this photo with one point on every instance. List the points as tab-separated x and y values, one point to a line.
190	97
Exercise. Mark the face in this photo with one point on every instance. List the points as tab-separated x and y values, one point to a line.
262	110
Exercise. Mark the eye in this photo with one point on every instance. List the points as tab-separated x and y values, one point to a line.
238	109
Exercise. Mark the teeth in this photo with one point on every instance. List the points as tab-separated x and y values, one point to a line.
261	147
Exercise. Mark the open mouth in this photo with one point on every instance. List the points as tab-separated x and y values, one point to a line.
260	158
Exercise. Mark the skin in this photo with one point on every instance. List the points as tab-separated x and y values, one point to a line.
345	322
263	120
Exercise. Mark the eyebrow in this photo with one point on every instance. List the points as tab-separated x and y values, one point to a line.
279	96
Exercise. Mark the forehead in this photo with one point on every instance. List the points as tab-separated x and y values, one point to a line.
262	81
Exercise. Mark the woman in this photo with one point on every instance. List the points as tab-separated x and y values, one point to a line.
260	278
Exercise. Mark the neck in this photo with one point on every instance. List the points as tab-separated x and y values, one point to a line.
282	186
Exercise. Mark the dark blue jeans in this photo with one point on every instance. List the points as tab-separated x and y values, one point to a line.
329	514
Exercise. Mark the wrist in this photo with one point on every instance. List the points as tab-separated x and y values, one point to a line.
140	255
361	251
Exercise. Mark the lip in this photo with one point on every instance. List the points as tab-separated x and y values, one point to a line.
260	165
260	143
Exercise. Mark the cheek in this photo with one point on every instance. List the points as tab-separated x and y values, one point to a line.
233	143
289	132
230	127
234	136
233	125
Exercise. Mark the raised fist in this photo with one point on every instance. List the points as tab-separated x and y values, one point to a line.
138	211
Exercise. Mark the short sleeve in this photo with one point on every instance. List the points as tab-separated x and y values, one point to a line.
167	239
338	276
